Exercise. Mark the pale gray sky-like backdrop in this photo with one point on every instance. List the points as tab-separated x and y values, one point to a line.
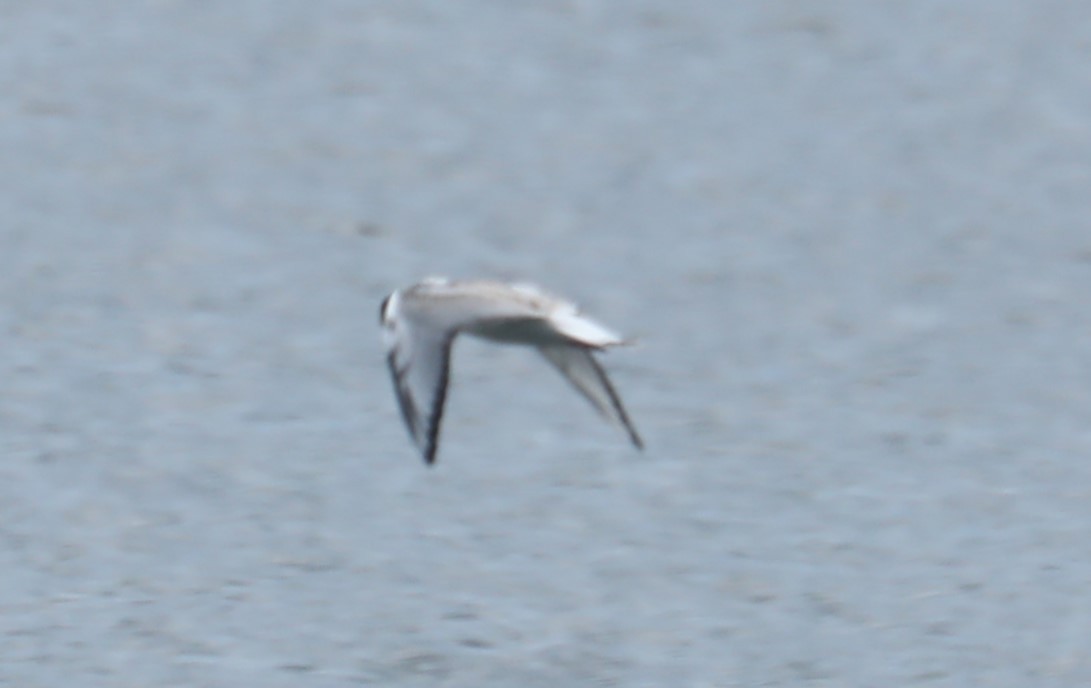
851	238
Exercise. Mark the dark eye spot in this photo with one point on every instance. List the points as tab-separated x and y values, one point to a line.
382	309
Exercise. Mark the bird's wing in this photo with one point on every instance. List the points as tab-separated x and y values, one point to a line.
419	360
578	365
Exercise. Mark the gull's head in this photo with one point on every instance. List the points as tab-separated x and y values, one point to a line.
386	308
388	318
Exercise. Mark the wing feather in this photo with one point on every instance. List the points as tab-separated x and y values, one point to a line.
419	364
578	365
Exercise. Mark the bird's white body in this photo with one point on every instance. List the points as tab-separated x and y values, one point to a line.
420	323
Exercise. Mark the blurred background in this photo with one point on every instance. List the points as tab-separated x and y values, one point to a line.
851	238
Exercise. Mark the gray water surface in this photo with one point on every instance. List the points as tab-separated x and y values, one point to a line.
852	241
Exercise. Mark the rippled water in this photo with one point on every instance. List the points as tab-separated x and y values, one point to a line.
851	241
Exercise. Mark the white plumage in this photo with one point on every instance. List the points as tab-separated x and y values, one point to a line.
421	322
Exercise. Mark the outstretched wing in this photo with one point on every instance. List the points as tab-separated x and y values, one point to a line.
578	365
419	361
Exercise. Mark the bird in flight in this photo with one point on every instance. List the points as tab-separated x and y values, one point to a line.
420	324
